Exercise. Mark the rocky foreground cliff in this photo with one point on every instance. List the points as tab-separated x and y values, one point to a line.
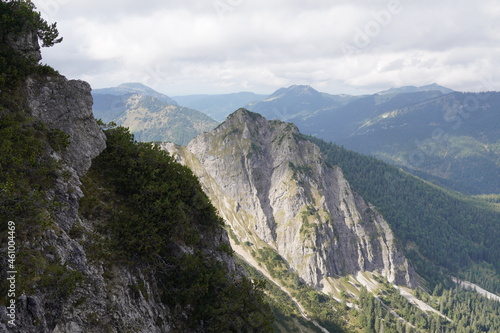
275	191
87	254
55	258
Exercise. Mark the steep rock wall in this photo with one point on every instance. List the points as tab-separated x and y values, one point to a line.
104	300
274	188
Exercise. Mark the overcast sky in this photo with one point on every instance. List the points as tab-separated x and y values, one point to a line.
181	47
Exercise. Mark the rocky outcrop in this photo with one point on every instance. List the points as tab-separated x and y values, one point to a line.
274	189
25	44
67	105
101	298
109	297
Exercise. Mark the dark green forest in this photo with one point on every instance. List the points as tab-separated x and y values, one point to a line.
442	231
460	311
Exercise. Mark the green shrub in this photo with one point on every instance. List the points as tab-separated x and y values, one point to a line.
60	280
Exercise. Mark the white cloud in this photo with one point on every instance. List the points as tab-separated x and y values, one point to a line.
182	47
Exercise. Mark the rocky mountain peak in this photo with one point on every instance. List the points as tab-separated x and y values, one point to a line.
303	90
296	90
276	192
242	115
253	122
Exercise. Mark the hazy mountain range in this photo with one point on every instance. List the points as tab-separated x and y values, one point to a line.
218	106
447	137
134	88
150	115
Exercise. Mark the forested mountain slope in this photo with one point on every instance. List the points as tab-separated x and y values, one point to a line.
439	228
452	140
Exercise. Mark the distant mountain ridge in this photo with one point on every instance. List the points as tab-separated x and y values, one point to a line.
218	106
443	136
452	140
404	126
134	88
150	115
411	89
296	101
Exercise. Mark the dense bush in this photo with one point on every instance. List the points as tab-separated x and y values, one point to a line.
20	16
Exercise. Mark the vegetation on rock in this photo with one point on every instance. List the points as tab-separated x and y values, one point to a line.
155	214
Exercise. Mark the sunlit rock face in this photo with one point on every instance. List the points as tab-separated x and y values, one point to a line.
273	186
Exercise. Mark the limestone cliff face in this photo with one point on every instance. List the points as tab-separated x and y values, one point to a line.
26	44
104	301
67	105
274	189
